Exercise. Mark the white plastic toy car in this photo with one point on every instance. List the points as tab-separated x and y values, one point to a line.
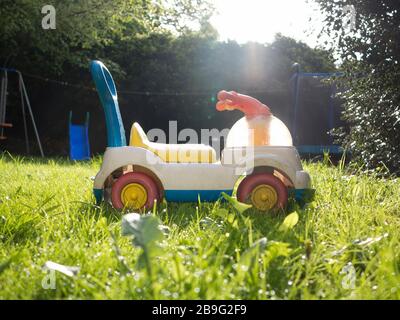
259	147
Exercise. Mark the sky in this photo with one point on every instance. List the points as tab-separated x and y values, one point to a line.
260	20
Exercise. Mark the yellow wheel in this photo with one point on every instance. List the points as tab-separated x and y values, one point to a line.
134	190
264	197
134	196
264	191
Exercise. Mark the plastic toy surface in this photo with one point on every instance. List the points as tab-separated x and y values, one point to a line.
259	147
79	147
258	128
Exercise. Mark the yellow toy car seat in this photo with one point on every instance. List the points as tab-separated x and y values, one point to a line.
183	153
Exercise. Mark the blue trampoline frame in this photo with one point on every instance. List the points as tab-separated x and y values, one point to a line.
313	149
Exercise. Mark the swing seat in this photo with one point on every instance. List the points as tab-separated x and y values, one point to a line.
5	125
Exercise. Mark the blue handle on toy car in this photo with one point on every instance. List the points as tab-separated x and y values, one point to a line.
108	96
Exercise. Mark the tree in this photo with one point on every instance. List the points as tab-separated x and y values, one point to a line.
84	29
370	54
149	47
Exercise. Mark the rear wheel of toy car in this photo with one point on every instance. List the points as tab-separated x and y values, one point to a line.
264	191
134	190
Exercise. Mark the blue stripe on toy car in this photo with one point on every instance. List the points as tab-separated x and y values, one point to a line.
98	194
192	195
302	195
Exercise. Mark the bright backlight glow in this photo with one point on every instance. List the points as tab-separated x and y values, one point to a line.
260	20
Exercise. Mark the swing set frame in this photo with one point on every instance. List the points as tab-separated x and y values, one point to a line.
25	106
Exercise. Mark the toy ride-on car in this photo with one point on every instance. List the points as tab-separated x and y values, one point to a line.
258	146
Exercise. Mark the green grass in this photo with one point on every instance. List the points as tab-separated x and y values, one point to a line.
47	212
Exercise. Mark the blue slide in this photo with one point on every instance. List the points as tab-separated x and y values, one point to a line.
79	148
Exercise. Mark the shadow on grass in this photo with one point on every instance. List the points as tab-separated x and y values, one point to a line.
104	210
183	215
263	224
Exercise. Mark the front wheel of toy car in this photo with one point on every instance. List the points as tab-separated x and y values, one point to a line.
134	190
264	191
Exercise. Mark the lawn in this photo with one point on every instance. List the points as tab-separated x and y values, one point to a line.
344	246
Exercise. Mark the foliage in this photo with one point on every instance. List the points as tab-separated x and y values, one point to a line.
239	206
371	60
147	234
289	222
47	213
84	29
148	48
162	64
310	59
